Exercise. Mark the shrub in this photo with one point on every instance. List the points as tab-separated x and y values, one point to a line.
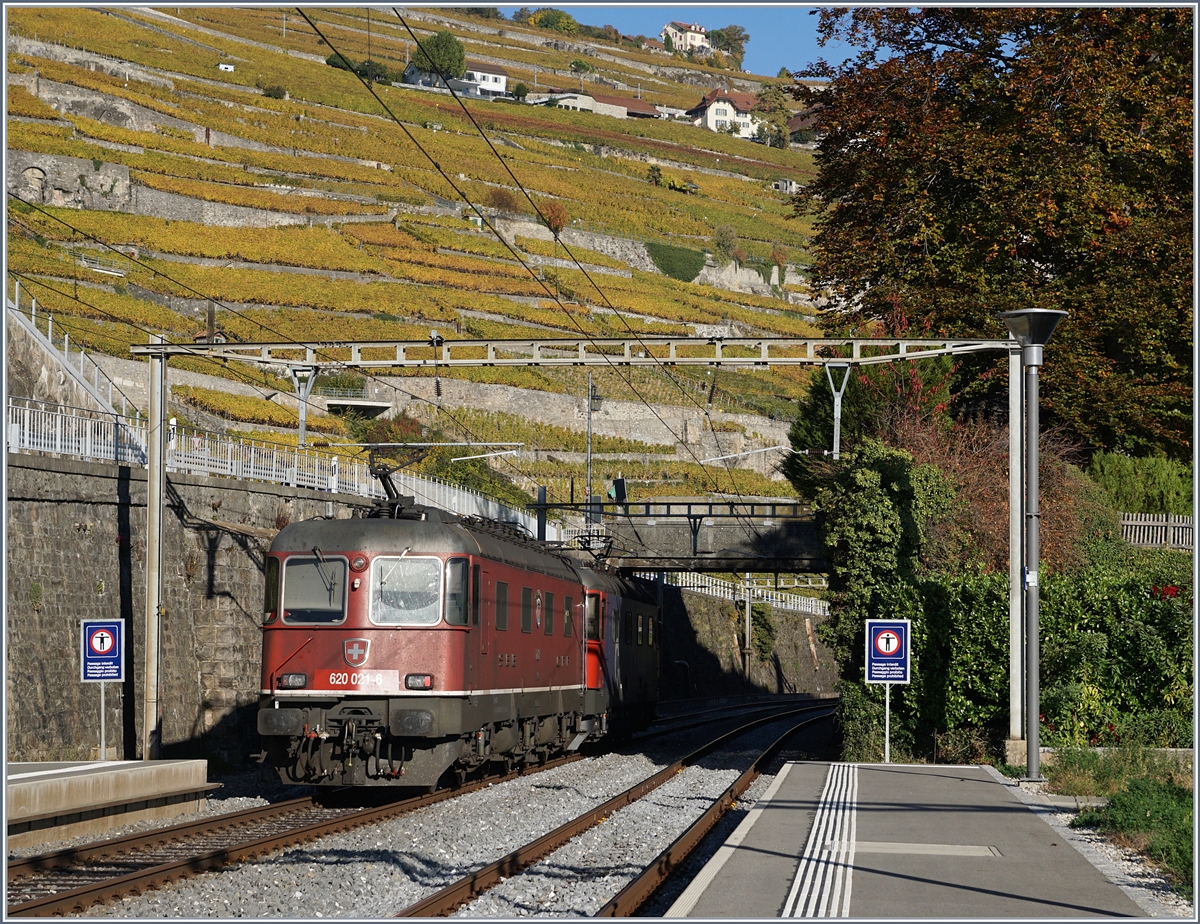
275	92
1147	485
680	263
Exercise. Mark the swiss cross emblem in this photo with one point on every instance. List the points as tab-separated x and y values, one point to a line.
354	650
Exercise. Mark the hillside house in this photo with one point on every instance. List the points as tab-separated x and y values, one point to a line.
719	109
617	107
491	79
685	38
647	44
481	81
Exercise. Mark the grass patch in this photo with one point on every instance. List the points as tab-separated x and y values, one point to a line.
680	263
1092	772
1156	819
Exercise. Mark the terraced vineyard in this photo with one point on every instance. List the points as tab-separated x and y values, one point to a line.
318	217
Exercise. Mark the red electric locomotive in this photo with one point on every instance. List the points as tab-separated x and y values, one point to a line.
411	644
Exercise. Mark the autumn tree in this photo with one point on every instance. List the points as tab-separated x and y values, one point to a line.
771	109
731	40
978	160
554	213
441	54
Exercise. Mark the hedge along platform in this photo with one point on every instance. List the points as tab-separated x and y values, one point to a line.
54	800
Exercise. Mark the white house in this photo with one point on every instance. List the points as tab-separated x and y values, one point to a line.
491	79
684	37
721	108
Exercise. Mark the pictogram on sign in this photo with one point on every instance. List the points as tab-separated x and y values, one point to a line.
101	650
888	650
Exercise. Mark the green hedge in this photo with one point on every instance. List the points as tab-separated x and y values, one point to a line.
680	263
1116	633
1147	485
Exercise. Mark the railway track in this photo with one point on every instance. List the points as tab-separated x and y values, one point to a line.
635	893
71	880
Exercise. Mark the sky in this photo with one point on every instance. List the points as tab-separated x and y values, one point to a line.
781	35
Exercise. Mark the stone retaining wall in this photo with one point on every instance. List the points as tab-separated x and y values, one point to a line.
77	550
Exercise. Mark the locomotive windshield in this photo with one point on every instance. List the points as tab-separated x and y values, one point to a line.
314	590
406	591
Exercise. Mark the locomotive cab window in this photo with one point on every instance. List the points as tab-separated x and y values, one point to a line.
593	617
548	613
406	591
314	590
568	619
456	592
271	598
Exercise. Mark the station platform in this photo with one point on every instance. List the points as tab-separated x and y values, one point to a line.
903	841
55	800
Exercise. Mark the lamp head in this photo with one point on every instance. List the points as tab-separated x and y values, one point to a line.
1032	327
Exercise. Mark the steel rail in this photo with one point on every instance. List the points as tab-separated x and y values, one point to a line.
447	899
121	854
627	902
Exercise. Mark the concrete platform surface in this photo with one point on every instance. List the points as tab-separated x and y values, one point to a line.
64	799
898	841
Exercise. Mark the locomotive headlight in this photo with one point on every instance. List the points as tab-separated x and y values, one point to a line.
358	563
293	681
418	681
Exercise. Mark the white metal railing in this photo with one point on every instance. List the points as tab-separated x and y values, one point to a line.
113	438
1158	530
730	590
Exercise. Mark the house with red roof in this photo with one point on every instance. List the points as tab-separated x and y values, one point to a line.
720	109
685	37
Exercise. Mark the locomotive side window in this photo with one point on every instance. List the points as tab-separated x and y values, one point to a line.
314	590
501	606
568	621
271	598
475	595
641	634
593	617
549	617
628	627
650	630
526	609
406	591
456	592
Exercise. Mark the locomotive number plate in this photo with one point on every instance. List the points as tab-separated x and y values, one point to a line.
374	681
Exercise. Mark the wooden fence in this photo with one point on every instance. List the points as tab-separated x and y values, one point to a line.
1158	530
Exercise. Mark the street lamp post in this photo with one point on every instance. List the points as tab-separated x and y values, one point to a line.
1032	328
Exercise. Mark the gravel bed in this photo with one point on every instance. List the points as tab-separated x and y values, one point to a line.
376	871
582	876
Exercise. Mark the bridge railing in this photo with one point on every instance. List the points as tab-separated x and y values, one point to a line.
730	590
113	438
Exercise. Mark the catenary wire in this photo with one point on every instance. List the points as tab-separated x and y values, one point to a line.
483	218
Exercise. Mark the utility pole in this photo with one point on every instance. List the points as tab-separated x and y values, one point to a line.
155	489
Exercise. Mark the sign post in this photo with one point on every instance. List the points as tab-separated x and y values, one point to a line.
888	662
101	659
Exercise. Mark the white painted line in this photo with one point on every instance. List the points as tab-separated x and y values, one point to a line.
688	898
825	874
938	850
82	768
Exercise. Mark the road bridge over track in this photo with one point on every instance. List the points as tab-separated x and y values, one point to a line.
707	536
